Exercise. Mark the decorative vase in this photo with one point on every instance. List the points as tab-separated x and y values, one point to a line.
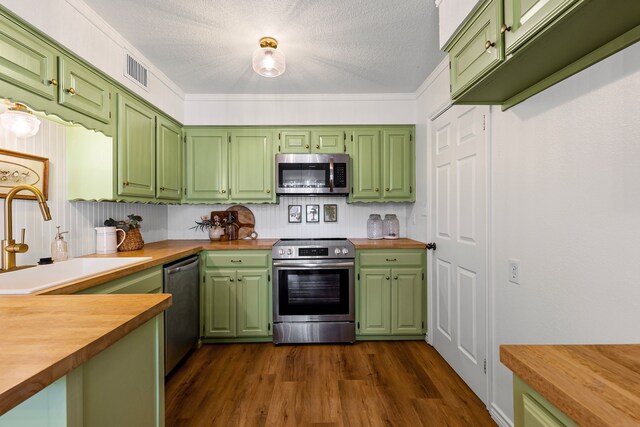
215	233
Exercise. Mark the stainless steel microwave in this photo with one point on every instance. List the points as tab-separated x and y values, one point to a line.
312	174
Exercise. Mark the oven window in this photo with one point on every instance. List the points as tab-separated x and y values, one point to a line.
303	175
313	292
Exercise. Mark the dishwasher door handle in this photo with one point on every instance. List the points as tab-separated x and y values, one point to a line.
183	267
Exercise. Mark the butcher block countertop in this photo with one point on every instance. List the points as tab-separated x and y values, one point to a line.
595	385
388	244
43	338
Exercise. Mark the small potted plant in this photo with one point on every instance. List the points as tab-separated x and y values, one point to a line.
214	226
133	240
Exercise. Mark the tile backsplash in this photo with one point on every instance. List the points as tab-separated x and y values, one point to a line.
79	218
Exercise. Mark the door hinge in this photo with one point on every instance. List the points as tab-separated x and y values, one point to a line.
484	122
279	135
358	276
485	366
345	135
422	276
109	114
351	138
423	324
344	148
410	189
203	278
185	191
184	139
358	325
410	137
229	138
278	148
269	326
352	189
268	277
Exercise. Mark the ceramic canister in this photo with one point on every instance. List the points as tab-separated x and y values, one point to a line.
106	239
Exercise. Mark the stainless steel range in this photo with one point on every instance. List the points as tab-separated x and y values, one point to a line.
313	291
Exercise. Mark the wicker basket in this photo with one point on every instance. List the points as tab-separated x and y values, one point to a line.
132	241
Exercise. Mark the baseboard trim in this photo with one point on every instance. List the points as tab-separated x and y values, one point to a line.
499	417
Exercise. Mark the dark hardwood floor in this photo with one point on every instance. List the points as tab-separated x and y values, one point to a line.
403	383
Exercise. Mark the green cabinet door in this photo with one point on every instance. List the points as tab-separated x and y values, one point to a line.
251	166
406	301
136	149
366	165
478	48
168	160
375	296
26	61
207	165
219	303
294	141
81	90
398	159
252	305
525	18
330	140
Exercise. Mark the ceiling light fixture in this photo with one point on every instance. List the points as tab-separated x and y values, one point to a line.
19	120
267	61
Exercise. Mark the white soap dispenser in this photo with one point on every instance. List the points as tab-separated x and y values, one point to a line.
59	247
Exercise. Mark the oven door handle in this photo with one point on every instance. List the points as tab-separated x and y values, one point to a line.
313	265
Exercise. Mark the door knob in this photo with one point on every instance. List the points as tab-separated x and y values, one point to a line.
431	246
489	44
505	28
71	91
53	82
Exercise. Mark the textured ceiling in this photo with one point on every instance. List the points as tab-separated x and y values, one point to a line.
331	46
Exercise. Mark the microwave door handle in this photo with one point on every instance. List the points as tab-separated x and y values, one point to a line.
331	175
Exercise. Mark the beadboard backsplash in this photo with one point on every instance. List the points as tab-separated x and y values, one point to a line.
79	218
272	221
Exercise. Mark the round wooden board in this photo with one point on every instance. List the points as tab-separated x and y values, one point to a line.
246	221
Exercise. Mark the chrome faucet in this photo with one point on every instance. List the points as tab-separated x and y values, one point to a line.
9	246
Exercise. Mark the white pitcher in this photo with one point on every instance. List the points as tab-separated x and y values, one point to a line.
106	239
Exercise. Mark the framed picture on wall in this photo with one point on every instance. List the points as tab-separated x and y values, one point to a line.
20	168
313	213
330	213
295	213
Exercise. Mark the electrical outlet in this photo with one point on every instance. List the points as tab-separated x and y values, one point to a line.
514	271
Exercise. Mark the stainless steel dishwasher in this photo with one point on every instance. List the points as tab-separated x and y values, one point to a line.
181	280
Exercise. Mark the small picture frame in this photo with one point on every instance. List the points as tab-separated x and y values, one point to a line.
330	213
295	213
313	213
21	168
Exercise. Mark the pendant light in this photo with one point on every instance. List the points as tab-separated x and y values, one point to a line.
19	120
267	61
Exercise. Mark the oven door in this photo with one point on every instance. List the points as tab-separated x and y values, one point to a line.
313	291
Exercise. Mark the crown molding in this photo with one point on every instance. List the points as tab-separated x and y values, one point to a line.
328	97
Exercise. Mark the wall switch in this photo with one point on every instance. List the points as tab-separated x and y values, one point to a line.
514	271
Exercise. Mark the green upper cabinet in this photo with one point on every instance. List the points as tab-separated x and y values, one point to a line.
366	165
207	165
328	140
294	141
524	18
136	148
168	160
398	157
251	166
82	90
538	44
382	171
26	61
478	48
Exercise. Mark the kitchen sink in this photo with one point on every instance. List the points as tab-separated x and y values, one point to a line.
42	277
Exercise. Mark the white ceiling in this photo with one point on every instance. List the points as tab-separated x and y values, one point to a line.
331	46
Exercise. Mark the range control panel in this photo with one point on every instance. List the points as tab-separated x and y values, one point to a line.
332	249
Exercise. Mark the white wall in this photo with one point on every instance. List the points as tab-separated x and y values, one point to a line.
567	205
78	217
77	27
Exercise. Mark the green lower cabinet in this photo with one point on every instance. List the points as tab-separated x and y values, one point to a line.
391	295
120	386
533	410
252	303
219	304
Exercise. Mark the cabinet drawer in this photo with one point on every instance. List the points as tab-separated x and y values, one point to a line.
143	282
239	259
391	258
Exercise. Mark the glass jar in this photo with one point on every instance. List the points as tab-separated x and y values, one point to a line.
374	227
391	226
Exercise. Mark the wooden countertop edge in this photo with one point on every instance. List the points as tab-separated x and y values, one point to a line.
23	390
583	411
167	251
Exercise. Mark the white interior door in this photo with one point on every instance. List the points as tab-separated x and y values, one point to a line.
459	230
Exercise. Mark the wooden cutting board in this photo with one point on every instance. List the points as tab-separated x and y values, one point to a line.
246	221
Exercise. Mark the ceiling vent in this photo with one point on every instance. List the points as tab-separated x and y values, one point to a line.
136	71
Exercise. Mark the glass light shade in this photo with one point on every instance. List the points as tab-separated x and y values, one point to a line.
268	62
20	121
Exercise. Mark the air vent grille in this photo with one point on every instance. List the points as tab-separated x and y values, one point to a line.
135	71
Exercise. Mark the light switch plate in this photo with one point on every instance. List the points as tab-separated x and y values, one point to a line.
514	271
